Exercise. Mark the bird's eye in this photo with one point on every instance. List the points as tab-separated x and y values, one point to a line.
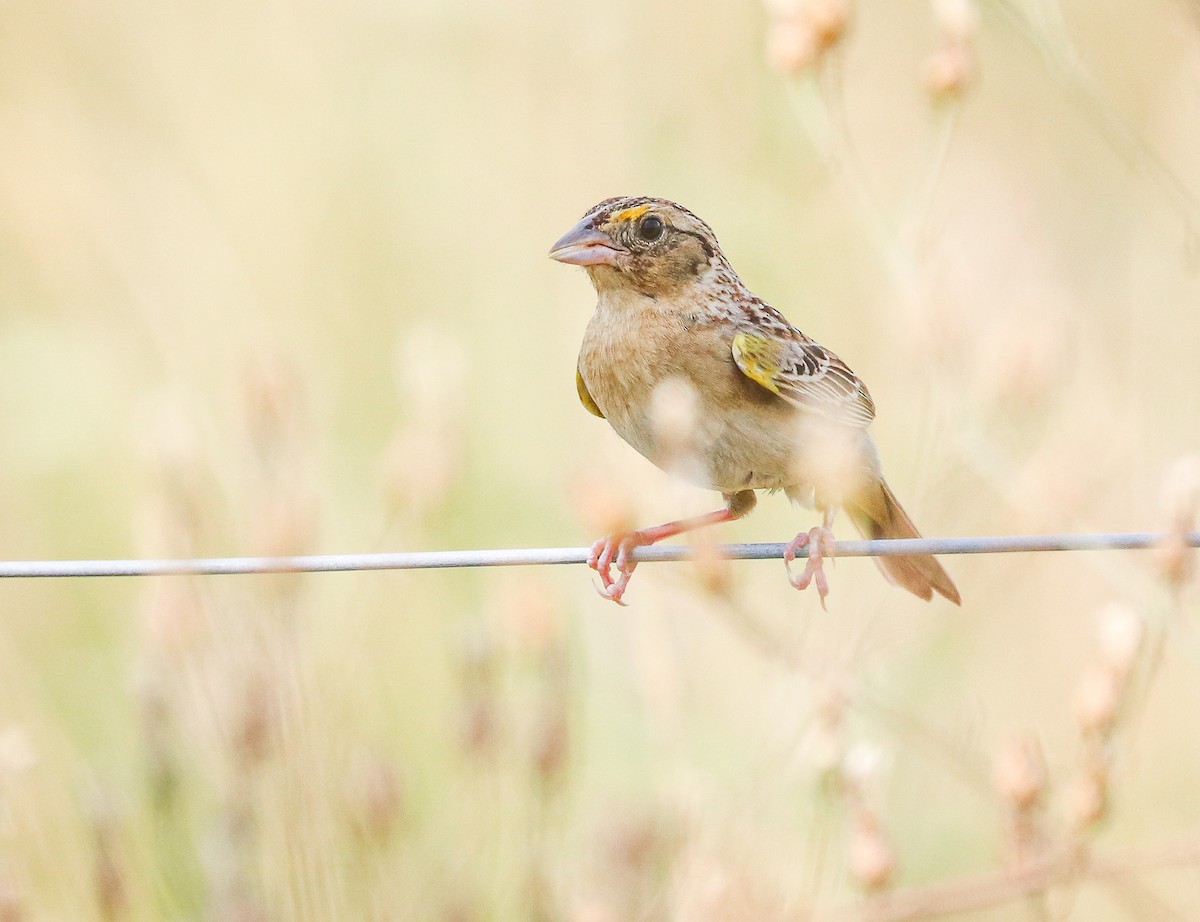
651	228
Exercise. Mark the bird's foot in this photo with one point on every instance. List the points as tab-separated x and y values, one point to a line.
616	550
819	542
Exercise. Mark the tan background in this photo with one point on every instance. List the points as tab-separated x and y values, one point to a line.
273	278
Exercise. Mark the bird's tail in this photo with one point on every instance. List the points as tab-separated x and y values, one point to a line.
876	513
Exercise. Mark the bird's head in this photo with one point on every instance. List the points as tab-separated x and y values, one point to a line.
648	245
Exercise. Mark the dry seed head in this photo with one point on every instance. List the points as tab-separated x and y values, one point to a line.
824	744
168	437
112	888
273	398
1120	633
530	614
1050	487
674	414
1020	774
285	522
157	529
863	763
1176	558
477	654
172	620
635	843
674	408
480	728
1181	492
957	20
714	570
256	721
1181	503
824	747
803	30
709	887
1097	697
791	45
174	450
829	19
601	509
419	468
589	911
157	719
242	908
431	374
551	745
1087	796
1019	362
480	720
17	754
537	894
459	910
871	859
832	456
374	798
10	902
831	702
948	70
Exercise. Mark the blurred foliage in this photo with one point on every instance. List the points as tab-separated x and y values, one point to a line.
273	279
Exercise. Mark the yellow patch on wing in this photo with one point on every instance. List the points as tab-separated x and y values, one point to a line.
758	358
629	214
585	396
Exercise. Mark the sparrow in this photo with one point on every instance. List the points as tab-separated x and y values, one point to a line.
773	409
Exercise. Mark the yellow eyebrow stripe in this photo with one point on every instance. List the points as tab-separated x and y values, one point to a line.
630	214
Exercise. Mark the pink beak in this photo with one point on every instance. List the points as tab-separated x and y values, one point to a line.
583	245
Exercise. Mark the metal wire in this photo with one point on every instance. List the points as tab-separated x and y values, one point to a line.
516	557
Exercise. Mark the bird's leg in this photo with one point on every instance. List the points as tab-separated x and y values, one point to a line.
619	548
819	542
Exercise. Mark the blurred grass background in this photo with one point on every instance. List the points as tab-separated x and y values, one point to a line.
273	279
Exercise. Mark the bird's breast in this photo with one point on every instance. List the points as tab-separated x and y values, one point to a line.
742	435
628	350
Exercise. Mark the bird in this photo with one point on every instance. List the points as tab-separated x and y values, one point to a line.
773	409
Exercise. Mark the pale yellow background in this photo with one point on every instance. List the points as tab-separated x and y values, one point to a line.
273	278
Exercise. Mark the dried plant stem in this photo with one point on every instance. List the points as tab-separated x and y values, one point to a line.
979	891
913	228
1140	902
816	102
967	766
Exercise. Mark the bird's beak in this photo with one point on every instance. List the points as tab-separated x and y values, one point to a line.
583	245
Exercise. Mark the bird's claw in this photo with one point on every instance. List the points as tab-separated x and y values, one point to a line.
615	590
819	542
602	560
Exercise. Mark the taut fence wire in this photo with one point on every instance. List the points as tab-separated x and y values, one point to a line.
517	557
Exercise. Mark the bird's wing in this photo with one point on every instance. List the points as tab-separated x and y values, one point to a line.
805	374
585	396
